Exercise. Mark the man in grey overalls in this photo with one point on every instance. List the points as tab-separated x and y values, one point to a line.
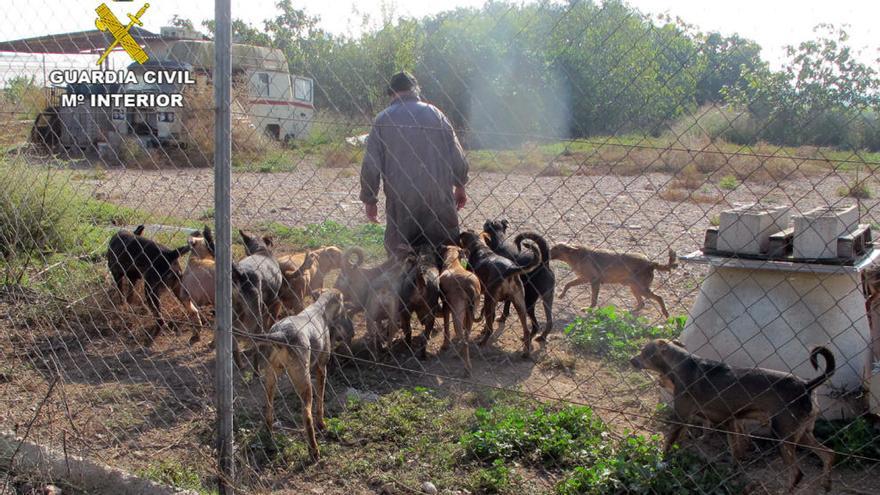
413	150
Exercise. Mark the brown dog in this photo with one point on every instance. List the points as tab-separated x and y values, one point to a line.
355	280
197	283
329	258
372	290
723	395
460	290
500	278
296	282
596	267
301	346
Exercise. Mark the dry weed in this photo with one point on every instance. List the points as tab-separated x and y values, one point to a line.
689	178
677	195
338	158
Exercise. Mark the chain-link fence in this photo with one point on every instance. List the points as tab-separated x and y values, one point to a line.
612	224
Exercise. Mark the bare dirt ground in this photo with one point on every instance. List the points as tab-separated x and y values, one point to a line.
127	405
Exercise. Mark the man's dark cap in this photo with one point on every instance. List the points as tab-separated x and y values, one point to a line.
402	81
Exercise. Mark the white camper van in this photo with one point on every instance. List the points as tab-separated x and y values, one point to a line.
276	102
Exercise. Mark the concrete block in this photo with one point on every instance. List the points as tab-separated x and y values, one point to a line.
854	243
816	231
710	242
747	229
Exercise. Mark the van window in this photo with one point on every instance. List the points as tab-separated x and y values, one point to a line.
302	89
262	84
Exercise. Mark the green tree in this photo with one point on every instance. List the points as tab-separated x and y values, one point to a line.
819	97
727	58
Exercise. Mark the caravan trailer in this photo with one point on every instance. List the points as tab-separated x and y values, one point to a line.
270	98
278	103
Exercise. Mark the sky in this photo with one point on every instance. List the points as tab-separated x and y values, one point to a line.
772	23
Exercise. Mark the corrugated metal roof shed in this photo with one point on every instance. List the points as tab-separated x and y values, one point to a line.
79	42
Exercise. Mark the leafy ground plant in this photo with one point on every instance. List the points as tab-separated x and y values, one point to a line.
856	442
540	436
617	335
728	182
589	458
174	474
636	465
498	478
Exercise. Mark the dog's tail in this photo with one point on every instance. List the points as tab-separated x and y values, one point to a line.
829	366
534	263
537	239
357	252
265	338
668	266
173	254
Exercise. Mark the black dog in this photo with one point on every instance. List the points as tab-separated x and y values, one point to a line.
131	257
500	278
538	284
725	396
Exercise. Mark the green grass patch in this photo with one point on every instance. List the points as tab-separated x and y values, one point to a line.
728	182
51	235
409	436
207	214
857	190
857	442
270	162
617	335
174	474
638	153
368	236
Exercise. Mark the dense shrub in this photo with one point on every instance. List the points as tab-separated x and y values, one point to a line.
35	210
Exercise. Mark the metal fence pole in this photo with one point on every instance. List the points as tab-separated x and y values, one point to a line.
222	200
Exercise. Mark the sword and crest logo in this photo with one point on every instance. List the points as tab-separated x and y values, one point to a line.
108	22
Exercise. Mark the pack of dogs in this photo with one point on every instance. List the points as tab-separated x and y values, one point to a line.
286	333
